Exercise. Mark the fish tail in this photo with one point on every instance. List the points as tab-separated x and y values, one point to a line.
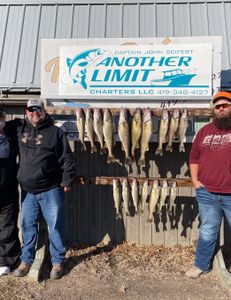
141	161
142	211
169	147
93	148
150	219
127	214
128	160
159	151
111	159
102	150
83	147
118	216
181	148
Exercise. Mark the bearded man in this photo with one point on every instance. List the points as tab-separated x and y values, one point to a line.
210	168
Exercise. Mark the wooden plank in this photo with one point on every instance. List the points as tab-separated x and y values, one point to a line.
62	110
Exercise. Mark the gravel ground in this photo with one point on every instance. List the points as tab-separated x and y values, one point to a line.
119	272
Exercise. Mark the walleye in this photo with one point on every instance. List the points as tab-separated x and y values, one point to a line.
174	124
80	122
172	196
108	133
163	194
146	135
182	129
154	197
144	196
89	127
162	131
98	128
116	196
136	130
135	194
124	134
126	196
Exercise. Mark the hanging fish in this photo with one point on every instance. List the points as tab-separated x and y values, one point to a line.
182	129
135	194
146	135
136	130
89	127
144	196
154	197
124	134
172	196
80	122
116	197
163	195
108	132
98	128
162	131
126	196
174	124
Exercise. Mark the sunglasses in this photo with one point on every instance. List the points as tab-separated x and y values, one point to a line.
34	109
223	105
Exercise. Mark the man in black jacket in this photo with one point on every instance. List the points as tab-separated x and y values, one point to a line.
46	171
9	242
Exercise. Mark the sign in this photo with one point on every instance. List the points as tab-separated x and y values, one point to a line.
150	71
129	71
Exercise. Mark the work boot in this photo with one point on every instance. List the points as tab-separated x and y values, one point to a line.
56	272
22	270
194	272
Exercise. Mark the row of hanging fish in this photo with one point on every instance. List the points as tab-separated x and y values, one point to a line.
130	195
133	135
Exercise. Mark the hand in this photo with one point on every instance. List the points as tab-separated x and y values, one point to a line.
66	189
197	184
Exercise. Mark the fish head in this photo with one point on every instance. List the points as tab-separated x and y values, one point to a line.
79	112
97	113
107	115
176	113
165	115
155	184
123	115
147	115
164	184
174	184
137	114
184	114
88	113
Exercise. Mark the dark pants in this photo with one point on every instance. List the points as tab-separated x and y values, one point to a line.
9	242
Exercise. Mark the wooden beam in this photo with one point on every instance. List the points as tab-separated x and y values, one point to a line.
106	180
197	112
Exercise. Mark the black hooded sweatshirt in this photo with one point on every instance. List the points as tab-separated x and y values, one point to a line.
46	160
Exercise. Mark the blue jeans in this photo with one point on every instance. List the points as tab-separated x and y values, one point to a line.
51	205
211	209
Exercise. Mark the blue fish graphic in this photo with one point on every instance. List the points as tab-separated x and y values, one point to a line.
82	60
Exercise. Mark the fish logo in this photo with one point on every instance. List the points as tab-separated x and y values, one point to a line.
77	67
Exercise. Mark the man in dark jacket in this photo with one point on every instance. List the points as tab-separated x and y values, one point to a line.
9	242
46	171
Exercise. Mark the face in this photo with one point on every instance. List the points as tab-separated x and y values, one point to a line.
222	114
35	115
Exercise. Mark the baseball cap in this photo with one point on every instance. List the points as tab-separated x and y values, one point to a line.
221	95
35	102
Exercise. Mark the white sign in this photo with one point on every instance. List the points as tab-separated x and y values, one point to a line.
150	71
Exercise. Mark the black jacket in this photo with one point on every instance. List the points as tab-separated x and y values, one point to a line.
9	166
46	160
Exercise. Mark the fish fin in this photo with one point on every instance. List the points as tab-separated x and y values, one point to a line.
128	161
159	152
68	61
181	148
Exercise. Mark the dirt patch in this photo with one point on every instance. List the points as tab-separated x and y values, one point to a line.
121	272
